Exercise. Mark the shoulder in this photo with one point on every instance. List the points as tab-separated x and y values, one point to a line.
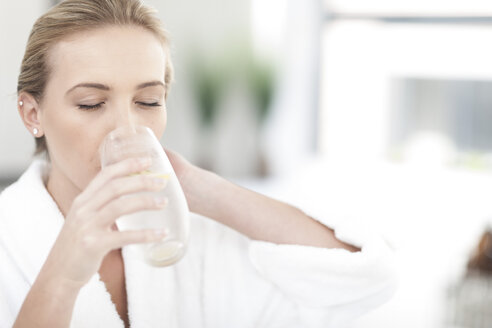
25	188
34	175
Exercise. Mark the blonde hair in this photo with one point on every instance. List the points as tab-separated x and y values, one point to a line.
72	16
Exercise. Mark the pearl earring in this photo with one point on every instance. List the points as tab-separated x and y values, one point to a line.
21	103
35	131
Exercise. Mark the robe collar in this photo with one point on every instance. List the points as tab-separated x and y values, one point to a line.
29	225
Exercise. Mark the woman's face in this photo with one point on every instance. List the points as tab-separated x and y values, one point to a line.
100	80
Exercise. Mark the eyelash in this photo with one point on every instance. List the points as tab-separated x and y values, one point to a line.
96	106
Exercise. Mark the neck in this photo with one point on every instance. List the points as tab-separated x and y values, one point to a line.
62	189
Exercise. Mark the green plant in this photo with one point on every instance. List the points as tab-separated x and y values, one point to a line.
208	85
261	80
211	78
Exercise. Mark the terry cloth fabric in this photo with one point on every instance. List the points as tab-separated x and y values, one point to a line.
225	279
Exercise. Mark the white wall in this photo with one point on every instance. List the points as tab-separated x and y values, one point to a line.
16	144
207	27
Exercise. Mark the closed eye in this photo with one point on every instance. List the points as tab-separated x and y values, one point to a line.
89	107
96	106
155	104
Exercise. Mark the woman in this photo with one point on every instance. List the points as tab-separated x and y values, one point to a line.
91	66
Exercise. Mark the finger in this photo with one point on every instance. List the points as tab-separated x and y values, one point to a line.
123	186
120	169
128	205
169	152
119	239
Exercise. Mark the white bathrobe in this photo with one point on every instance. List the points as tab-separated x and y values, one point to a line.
225	280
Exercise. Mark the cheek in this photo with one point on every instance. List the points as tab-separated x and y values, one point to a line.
64	134
72	145
158	124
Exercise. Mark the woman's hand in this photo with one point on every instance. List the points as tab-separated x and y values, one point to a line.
89	232
189	177
181	166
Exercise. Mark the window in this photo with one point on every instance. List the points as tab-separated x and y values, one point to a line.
406	81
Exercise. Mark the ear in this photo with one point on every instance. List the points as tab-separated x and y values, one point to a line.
29	111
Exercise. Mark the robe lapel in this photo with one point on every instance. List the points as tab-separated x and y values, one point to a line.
30	224
150	292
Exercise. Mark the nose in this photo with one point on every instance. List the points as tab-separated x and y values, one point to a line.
124	116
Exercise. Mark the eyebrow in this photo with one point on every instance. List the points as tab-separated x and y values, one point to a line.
106	88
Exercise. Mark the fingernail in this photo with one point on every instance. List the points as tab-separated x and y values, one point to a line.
161	232
161	201
159	182
144	161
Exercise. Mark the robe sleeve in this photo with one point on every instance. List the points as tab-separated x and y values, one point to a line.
275	285
330	286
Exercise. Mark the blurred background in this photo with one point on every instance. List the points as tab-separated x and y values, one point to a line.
376	112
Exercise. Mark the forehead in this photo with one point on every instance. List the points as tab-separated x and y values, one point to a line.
110	54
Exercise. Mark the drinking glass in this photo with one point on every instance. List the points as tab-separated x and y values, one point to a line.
140	141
